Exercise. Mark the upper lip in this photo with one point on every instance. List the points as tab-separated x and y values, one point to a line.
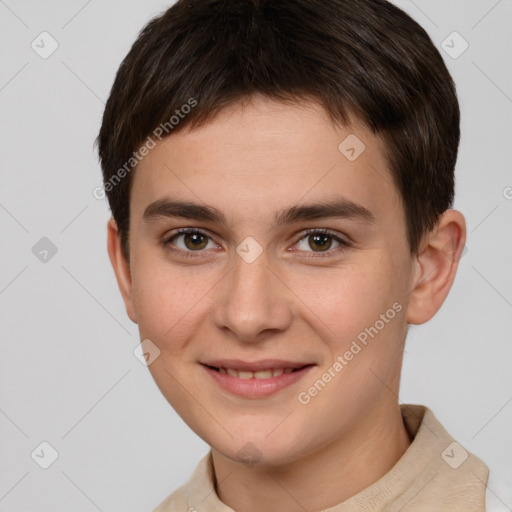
253	366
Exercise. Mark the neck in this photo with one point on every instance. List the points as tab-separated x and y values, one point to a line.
322	479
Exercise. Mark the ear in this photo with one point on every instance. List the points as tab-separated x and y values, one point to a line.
121	267
436	265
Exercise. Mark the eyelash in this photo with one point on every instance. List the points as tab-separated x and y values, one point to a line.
316	254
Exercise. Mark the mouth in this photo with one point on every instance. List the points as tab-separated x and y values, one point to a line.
255	374
256	379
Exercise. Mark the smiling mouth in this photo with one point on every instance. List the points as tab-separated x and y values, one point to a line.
256	379
268	373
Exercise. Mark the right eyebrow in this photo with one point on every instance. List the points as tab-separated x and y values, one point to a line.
183	209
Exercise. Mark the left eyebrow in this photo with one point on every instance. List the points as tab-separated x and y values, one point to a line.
338	208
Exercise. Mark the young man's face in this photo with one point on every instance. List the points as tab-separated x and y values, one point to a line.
260	288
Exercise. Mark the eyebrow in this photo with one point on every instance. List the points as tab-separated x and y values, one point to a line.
338	208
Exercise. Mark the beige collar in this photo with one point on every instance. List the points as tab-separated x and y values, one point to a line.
435	474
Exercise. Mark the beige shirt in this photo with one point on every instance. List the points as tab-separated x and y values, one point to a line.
435	474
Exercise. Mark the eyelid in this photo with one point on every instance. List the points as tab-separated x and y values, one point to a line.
185	230
333	234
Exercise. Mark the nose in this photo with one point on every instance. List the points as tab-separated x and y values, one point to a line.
252	301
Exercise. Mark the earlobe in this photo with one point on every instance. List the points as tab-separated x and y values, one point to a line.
121	267
436	263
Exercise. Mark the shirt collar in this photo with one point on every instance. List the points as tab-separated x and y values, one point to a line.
435	473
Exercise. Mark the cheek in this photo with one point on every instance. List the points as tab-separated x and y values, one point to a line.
343	301
358	312
167	300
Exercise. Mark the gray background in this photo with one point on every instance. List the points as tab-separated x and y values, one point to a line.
68	375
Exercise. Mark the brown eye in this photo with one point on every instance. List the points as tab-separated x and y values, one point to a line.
320	241
188	241
316	241
194	241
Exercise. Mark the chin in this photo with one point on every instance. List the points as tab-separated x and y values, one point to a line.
257	448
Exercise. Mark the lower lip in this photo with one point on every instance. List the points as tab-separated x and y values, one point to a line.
256	388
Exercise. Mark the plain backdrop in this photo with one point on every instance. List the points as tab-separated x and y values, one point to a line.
68	374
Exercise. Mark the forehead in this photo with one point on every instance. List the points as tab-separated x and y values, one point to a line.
253	159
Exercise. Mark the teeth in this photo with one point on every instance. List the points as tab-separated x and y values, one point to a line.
263	374
260	374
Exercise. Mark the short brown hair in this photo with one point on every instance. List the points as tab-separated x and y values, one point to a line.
361	57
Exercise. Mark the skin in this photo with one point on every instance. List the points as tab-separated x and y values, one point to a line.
250	162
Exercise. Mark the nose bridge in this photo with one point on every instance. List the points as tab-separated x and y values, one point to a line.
251	300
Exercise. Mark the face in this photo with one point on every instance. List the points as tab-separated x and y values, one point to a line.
267	278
